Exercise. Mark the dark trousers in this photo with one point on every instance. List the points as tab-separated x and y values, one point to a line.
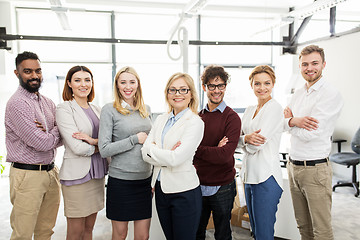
262	200
220	204
179	213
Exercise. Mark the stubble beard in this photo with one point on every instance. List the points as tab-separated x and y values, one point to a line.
28	87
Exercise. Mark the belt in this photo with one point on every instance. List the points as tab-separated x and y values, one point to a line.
41	167
308	163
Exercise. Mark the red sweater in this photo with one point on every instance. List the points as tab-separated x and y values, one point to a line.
215	165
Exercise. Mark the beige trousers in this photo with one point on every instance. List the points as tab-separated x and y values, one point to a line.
35	196
311	193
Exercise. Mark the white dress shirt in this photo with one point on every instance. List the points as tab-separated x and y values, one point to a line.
260	162
322	102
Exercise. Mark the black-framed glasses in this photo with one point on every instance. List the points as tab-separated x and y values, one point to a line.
182	91
212	87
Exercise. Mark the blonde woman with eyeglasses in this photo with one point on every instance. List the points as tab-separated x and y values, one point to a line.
170	147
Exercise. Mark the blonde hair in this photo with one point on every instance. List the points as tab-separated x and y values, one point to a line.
194	102
262	69
138	99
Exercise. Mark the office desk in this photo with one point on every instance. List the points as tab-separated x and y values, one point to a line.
285	225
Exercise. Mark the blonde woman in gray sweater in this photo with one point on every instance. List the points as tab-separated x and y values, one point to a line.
124	125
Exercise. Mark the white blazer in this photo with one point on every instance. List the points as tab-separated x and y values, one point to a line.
70	118
177	171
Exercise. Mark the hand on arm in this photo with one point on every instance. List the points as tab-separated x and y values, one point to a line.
141	137
39	125
308	123
255	138
232	133
176	146
86	138
223	141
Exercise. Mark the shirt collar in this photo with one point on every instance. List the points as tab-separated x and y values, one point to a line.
179	115
221	107
29	94
317	85
125	105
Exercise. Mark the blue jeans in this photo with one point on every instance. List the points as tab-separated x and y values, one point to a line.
179	213
262	200
220	204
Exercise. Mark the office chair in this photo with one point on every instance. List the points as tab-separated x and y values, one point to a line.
349	159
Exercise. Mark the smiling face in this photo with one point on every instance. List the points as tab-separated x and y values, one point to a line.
179	101
30	75
81	84
127	84
311	66
216	96
262	85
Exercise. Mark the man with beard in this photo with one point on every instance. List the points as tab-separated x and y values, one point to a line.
310	119
214	158
31	141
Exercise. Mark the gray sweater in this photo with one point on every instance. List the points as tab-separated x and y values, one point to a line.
118	140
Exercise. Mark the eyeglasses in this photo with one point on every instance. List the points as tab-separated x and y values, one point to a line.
182	91
212	87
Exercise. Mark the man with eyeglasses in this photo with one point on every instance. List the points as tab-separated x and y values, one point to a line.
214	158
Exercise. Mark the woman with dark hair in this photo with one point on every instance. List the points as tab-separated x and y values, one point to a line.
83	171
262	126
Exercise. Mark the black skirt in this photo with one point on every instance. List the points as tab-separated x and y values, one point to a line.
128	200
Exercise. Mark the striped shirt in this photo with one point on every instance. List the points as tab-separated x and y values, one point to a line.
25	142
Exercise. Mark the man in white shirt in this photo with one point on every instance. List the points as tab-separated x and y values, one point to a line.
310	118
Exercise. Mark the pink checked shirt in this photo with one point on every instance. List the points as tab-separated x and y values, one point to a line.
25	142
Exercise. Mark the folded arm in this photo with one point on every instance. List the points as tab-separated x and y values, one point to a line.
29	130
182	151
232	133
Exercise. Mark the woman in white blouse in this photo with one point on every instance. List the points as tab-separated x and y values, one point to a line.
170	147
262	126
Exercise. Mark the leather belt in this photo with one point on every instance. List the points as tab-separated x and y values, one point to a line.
308	163
38	167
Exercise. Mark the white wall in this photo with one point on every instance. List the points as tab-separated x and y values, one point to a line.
8	81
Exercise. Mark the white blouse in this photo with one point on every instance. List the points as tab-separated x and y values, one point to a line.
260	162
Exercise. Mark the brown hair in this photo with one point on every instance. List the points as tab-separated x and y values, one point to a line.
138	99
194	102
313	48
262	69
213	71
68	92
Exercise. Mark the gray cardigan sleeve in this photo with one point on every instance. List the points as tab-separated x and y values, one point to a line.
107	146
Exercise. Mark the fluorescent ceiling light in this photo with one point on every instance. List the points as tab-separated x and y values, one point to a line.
61	13
304	12
64	20
315	7
194	6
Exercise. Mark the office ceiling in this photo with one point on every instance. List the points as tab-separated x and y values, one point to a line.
275	12
240	8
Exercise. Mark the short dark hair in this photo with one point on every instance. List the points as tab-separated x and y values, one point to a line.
312	48
213	71
24	56
67	91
